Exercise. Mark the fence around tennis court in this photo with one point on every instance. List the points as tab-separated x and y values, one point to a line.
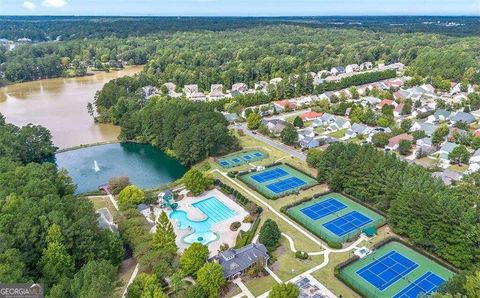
333	241
363	290
258	187
240	156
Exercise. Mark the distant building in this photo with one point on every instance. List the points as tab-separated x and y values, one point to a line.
235	262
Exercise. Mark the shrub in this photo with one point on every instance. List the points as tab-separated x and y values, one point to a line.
248	219
301	255
235	225
117	184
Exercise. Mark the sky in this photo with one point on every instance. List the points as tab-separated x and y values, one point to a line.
240	7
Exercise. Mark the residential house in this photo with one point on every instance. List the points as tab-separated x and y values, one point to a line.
149	91
235	262
462	117
171	87
397	111
352	68
285	104
395	141
370	101
275	81
338	124
366	66
309	143
105	220
448	176
337	70
474	162
216	92
146	212
306	132
261	86
444	151
310	116
230	117
428	128
356	130
275	126
440	115
240	87
425	147
190	89
386	102
304	101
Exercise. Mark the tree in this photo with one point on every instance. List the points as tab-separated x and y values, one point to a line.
196	291
380	139
210	278
36	143
253	121
298	122
406	125
354	92
288	290
130	196
11	266
439	134
90	110
475	143
145	286
196	182
164	236
472	285
55	262
289	134
270	234
459	155
95	279
404	147
117	184
193	258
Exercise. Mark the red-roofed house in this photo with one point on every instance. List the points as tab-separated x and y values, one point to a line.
285	104
393	142
310	116
384	102
397	95
398	110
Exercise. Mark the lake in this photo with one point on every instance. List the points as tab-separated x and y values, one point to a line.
61	106
146	166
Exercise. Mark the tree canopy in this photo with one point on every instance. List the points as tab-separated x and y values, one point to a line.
269	234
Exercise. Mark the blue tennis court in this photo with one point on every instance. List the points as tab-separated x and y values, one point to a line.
236	160
424	285
247	157
347	223
322	209
269	175
258	154
286	184
224	163
386	270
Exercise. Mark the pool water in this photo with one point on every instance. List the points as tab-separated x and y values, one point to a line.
215	211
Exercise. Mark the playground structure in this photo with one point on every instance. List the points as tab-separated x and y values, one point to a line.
165	200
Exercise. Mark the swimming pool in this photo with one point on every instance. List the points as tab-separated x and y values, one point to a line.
215	211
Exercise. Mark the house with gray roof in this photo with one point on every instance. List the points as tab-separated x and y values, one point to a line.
440	115
462	117
444	151
357	129
448	176
236	261
275	126
309	143
428	128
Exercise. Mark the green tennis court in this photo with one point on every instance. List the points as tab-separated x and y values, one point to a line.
278	181
395	270
334	217
241	158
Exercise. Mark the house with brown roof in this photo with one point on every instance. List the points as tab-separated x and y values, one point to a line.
394	141
385	102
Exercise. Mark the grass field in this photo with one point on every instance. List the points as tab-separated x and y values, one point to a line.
353	273
318	226
277	186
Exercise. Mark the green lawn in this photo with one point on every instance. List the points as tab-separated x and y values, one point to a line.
260	285
462	168
338	134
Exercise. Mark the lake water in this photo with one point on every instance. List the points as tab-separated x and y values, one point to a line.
146	166
61	106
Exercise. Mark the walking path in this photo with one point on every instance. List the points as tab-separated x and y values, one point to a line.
132	278
245	291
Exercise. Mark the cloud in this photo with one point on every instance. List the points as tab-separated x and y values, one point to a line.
54	3
29	5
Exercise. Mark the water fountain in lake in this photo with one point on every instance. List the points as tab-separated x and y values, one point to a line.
96	168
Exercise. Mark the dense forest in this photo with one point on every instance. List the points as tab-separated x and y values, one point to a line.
256	50
444	220
47	234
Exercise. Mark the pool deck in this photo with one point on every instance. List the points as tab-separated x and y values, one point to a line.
222	229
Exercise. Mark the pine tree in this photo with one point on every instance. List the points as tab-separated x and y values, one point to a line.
164	237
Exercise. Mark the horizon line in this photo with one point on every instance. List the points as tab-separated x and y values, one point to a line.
239	16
